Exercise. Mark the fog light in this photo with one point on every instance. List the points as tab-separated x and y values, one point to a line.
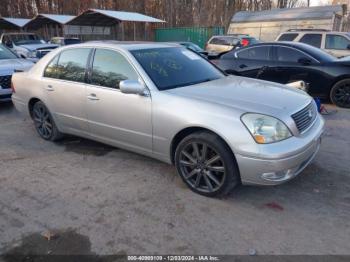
278	176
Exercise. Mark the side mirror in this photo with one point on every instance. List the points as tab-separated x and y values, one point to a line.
9	44
131	87
304	61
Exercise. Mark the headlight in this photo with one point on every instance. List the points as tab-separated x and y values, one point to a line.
31	54
265	129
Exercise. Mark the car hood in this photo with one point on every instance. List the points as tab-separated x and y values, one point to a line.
33	47
8	66
247	95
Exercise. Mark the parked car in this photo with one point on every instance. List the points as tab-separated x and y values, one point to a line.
171	104
61	41
284	62
334	43
27	45
224	43
9	62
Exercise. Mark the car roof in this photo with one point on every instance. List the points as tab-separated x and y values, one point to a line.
127	45
281	43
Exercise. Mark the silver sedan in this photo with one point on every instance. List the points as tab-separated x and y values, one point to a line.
171	104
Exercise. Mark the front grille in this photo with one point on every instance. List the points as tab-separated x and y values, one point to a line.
5	82
305	117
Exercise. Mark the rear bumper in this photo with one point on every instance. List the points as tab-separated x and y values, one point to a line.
273	171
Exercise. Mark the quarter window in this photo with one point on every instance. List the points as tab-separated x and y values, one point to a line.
51	69
287	37
285	54
312	39
110	68
72	64
337	42
255	53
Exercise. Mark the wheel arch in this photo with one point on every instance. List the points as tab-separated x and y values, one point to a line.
188	131
31	104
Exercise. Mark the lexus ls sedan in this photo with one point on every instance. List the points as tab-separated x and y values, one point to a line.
169	103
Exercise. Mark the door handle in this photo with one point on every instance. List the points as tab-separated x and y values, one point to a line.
49	88
243	66
93	97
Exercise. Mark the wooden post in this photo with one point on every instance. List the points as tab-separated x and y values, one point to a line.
134	31
123	35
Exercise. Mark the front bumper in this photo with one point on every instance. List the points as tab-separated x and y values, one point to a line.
5	94
271	170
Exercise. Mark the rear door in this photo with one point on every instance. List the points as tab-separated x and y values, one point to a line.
63	83
115	117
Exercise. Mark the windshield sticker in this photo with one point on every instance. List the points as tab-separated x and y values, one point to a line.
190	55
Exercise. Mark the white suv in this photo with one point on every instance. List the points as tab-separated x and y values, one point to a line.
334	43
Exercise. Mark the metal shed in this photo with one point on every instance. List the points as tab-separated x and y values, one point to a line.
11	24
48	25
109	23
267	25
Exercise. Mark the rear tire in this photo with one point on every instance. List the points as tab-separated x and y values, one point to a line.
44	123
340	93
206	164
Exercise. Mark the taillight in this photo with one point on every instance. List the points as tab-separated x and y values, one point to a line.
206	46
245	42
13	87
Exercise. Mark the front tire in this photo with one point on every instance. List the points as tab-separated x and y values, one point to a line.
206	164
340	93
44	123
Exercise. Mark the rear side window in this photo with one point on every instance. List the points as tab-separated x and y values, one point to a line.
222	41
110	68
286	54
287	37
72	63
312	39
255	53
337	42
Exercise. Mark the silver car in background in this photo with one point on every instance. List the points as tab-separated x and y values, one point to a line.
9	63
169	103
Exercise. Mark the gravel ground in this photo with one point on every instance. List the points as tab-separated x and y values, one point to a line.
110	201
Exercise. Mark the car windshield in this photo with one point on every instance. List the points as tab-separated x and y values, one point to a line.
175	67
6	53
193	47
25	39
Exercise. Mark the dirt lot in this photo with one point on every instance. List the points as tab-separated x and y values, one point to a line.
110	201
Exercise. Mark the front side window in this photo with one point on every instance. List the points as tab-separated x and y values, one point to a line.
255	53
337	42
287	37
286	54
72	64
173	67
110	68
312	39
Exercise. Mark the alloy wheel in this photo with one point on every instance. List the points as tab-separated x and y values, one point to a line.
202	167
42	121
341	95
